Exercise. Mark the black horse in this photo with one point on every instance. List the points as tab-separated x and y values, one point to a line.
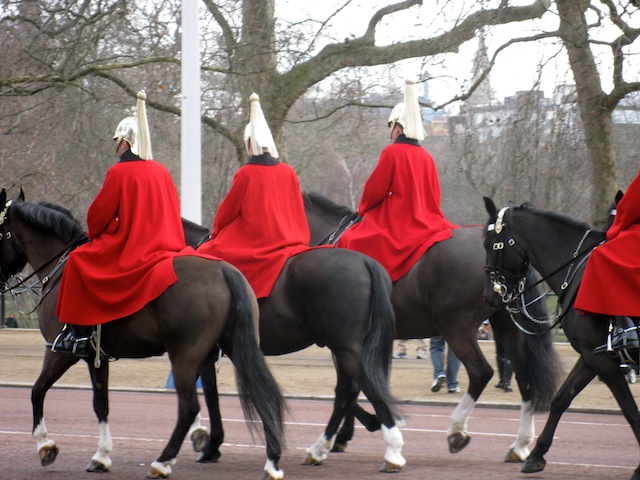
339	299
557	246
211	304
443	295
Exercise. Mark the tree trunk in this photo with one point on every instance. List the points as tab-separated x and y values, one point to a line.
596	117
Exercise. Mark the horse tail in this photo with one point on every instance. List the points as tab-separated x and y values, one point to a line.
257	388
539	357
378	344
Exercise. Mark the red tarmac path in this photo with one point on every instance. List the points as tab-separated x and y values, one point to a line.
588	446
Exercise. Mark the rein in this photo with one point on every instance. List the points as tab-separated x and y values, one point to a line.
62	257
346	222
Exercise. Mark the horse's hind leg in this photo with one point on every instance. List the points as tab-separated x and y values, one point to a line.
209	445
53	367
465	346
101	462
618	385
345	434
576	381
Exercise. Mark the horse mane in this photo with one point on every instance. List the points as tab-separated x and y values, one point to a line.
557	217
325	204
50	217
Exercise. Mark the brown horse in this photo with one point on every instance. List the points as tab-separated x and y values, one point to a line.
443	295
211	304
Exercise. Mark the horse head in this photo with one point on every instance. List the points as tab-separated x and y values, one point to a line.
12	258
506	264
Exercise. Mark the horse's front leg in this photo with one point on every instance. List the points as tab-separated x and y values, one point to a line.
185	377
53	367
576	381
101	461
346	393
480	373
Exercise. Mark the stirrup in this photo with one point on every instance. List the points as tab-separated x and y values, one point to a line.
622	337
66	343
82	347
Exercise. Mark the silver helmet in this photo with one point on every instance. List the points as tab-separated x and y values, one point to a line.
135	130
257	131
408	114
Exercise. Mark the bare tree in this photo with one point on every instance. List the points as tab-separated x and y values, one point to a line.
81	64
596	106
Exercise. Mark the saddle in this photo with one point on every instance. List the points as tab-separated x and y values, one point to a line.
623	340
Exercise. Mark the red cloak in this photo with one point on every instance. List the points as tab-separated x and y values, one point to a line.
135	230
400	206
611	281
261	222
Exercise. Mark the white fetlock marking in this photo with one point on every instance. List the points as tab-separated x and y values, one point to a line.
272	471
40	435
105	446
320	450
163	468
393	438
460	415
197	425
526	432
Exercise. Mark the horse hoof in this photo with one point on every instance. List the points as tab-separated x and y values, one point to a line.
208	458
267	476
513	457
98	467
388	467
458	441
534	465
339	447
160	469
153	474
199	439
309	460
48	455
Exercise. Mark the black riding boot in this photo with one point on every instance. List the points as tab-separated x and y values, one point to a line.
500	362
507	373
73	339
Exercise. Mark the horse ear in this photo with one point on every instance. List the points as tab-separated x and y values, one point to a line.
491	207
3	198
21	194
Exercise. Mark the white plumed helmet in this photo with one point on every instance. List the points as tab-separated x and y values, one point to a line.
257	131
135	130
408	113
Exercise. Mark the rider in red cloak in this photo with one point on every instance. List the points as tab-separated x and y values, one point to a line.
135	231
400	204
261	222
611	282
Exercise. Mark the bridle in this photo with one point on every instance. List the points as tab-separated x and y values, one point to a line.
7	236
498	275
514	298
